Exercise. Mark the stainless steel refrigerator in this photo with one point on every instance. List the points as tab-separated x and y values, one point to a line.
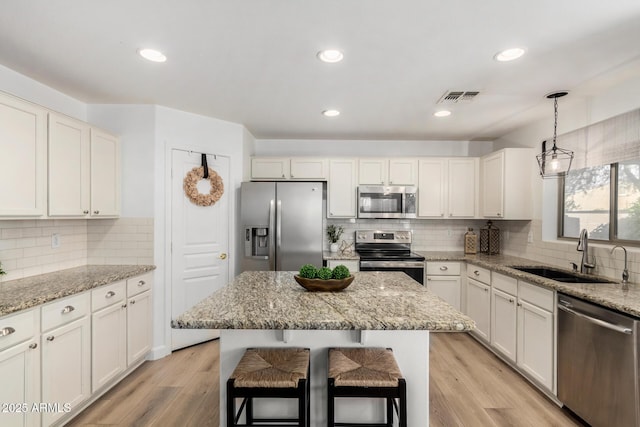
281	225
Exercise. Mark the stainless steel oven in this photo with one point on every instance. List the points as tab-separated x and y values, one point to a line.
377	201
389	251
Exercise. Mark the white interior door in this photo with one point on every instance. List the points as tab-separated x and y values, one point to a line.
200	242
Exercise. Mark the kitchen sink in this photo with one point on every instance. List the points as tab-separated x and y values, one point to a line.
560	275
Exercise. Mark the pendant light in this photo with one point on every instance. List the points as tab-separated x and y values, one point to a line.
556	162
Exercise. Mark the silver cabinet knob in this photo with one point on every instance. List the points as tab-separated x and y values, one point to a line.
68	309
132	301
96	212
444	268
141	283
124	305
110	294
33	346
6	331
86	212
51	338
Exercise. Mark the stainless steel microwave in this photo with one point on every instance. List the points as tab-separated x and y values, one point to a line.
378	201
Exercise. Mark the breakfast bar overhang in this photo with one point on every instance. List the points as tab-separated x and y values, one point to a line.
379	309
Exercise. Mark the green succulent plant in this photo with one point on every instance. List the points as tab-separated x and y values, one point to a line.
308	271
340	272
324	273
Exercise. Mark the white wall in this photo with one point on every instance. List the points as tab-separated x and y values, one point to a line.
26	88
369	148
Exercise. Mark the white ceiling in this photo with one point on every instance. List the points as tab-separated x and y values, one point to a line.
253	61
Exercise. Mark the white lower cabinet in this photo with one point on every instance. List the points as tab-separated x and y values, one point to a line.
109	334
536	334
352	264
443	279
139	311
503	323
66	356
479	308
20	369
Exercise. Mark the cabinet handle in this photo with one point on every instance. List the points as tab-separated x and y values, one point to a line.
6	331
68	309
141	283
51	338
477	273
486	289
33	346
291	175
132	301
519	305
498	214
442	214
444	268
511	300
429	279
86	212
96	212
110	294
283	175
124	305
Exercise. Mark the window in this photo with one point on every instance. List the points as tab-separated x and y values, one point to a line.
605	200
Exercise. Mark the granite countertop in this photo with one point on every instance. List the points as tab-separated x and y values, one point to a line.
273	300
624	298
20	294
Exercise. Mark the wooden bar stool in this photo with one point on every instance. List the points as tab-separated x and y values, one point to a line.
366	372
269	372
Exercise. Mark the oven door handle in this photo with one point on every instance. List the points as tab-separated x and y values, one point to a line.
391	264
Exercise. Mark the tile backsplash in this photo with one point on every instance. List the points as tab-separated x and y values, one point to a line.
26	245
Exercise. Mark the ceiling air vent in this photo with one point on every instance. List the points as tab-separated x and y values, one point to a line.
456	96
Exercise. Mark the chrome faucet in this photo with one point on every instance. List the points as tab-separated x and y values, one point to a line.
583	246
625	272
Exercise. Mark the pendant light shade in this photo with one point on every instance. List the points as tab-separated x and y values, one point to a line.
554	162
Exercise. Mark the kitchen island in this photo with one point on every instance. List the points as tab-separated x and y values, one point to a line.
379	309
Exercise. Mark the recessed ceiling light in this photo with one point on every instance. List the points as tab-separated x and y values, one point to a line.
331	113
509	54
152	55
330	55
442	113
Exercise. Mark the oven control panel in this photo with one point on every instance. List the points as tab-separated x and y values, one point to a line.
382	236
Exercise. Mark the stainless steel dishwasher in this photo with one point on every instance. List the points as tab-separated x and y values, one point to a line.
598	367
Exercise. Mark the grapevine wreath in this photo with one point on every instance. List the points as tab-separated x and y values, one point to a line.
191	186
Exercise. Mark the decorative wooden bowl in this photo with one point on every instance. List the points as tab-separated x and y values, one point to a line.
319	285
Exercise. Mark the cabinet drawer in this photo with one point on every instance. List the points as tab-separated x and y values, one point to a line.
352	264
443	268
105	296
135	285
480	274
505	283
65	310
18	327
536	295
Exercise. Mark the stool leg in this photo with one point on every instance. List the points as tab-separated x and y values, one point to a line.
402	385
302	406
249	410
330	403
231	404
389	412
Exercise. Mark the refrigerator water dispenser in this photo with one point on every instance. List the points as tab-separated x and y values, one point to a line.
256	242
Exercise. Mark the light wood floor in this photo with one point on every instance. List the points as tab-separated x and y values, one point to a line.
469	386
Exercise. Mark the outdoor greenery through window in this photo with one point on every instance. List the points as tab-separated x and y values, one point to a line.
605	200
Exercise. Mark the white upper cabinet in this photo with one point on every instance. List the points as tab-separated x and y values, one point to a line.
23	158
403	171
105	174
448	188
372	171
506	183
69	167
432	188
273	168
395	171
309	168
342	187
270	168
